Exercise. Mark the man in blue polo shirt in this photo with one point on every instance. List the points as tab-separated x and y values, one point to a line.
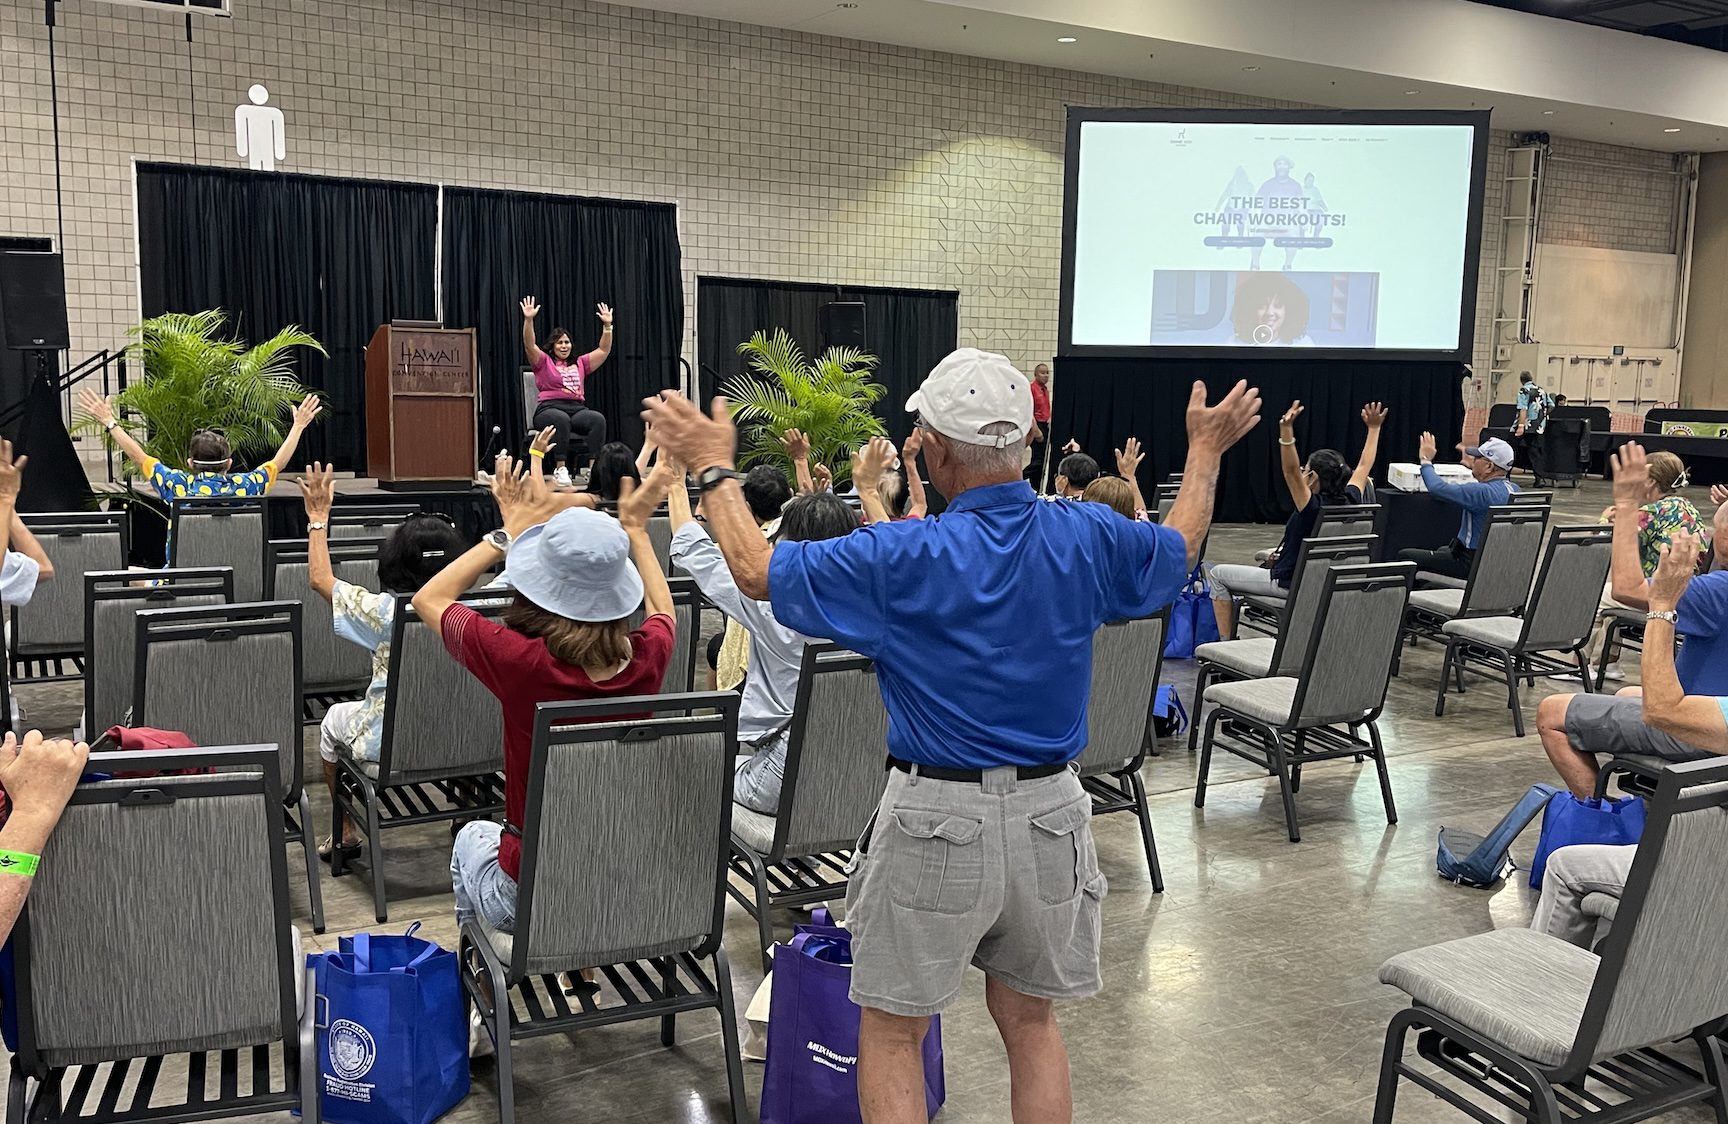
981	850
1489	463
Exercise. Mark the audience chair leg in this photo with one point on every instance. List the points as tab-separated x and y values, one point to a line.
17	1089
1206	756
309	1076
1391	1056
338	866
1202	674
1610	636
501	1053
1286	788
309	844
1385	777
1446	672
375	856
1145	815
735	1089
668	981
1715	1072
764	923
1512	700
1591	685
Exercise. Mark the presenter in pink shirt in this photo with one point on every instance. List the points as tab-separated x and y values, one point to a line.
561	381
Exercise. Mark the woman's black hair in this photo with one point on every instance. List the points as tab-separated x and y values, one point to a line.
1080	470
611	465
1255	290
815	516
1333	475
416	550
766	490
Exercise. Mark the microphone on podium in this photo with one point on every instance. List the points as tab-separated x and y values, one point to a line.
487	455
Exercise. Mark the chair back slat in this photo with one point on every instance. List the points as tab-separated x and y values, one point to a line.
221	532
1127	660
78	543
1664	967
439	720
660	534
1562	610
374	522
838	740
112	599
1349	658
1302	603
198	862
1336	519
645	784
1537	497
224	674
1505	561
327	660
687	602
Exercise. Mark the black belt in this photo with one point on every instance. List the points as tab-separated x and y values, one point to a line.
975	776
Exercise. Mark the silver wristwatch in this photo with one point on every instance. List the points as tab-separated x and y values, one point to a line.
1668	615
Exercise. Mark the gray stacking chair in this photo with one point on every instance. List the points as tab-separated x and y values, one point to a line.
1537	496
687	605
1499	583
371	522
1256	657
1127	661
231	674
660	534
623	848
47	643
221	532
1515	1020
332	669
158	930
1334	521
1314	715
1624	629
111	601
441	757
831	787
1560	618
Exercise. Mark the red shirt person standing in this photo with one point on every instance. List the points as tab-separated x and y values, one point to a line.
1038	440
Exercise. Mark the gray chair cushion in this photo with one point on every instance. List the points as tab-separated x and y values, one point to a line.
1252	656
1440	602
1496	632
1268	700
1272	603
1439	581
753	828
1519	988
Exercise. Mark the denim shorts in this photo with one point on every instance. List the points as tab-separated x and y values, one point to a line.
1000	874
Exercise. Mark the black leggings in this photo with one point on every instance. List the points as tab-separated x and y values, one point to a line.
1453	560
567	416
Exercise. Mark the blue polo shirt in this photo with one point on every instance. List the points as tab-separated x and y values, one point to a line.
1701	664
980	620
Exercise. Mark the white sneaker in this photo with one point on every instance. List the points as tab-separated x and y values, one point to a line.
561	477
1613	673
1566	677
479	1041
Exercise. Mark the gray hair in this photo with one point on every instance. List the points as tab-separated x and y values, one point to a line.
987	460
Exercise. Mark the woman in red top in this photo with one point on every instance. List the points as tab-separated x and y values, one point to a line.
578	575
562	383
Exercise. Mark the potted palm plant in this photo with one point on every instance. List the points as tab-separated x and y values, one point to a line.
195	378
830	399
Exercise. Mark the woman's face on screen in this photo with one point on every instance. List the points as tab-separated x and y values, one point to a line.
1272	314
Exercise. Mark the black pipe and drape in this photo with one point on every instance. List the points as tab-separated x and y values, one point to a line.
908	330
570	254
336	256
1103	402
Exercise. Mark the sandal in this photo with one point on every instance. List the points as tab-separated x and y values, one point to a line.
326	847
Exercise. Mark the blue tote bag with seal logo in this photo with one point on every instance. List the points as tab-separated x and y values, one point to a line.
392	1035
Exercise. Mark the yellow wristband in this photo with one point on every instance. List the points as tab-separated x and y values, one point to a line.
536	452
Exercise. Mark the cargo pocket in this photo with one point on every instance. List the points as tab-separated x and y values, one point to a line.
934	861
1061	852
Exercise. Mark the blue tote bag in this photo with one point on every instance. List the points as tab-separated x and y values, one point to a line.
1192	622
811	1075
392	1034
1569	821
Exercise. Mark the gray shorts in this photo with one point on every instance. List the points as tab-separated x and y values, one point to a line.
1615	724
1001	874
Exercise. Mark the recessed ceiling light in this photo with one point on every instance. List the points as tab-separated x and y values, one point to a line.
1670	130
1066	39
1547	113
1250	69
1412	92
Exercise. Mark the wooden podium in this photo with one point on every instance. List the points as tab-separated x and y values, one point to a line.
420	404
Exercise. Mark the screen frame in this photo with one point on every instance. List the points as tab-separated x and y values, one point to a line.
1477	120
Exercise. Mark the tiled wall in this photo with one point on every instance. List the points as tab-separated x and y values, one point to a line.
791	156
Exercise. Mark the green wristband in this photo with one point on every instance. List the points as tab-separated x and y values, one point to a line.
20	863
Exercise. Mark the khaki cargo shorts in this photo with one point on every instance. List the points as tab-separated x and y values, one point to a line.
1001	874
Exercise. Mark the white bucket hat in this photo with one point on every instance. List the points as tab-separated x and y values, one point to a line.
577	565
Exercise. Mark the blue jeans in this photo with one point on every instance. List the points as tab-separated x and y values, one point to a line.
758	777
482	888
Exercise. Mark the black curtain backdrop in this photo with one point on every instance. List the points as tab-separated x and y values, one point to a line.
571	254
336	256
1103	402
909	330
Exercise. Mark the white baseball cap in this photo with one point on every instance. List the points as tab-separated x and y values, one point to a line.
1493	450
971	390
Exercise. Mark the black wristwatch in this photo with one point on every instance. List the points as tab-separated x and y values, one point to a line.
712	478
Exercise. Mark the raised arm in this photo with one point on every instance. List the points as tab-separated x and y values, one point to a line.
868	465
1211	430
678	497
1631	481
1289	460
646	457
530	309
797	447
523	502
1373	416
303	416
917	507
604	347
635	507
318	492
712	442
1694	719
39	777
1128	460
11	481
102	410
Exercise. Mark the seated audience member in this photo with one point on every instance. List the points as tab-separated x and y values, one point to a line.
895	487
1118	494
38	775
578	575
1576	728
1560	400
1489	463
1664	511
1698	721
776	652
1073	474
766	491
1324	479
561	385
416	550
24	563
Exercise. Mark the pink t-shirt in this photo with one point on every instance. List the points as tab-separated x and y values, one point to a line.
557	380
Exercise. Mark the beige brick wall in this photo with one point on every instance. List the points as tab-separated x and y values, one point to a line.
791	156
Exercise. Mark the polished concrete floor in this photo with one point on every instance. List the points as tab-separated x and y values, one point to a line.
1245	992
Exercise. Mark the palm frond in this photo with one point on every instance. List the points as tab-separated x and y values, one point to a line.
829	398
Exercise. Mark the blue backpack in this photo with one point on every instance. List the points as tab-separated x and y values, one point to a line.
1482	860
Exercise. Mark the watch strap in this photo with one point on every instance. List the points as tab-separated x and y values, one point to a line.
316	525
712	478
1669	615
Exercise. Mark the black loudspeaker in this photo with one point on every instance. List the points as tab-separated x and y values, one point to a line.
842	324
33	302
